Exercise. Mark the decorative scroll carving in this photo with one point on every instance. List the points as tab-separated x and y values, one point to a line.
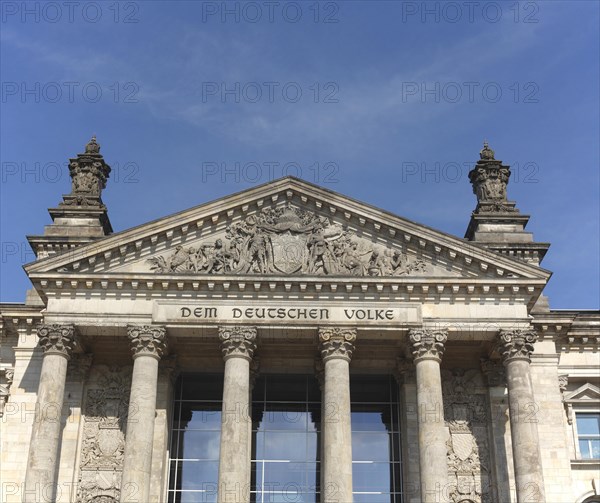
89	174
337	342
288	241
57	339
516	344
465	406
147	340
238	341
489	179
427	344
494	372
103	444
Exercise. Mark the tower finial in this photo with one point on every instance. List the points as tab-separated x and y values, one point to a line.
486	152
92	147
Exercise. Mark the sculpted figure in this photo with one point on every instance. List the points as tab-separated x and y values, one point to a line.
319	256
376	265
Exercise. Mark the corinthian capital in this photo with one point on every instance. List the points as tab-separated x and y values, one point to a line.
147	340
337	343
516	344
238	341
427	344
57	339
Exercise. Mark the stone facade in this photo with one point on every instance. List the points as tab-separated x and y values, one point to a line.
490	380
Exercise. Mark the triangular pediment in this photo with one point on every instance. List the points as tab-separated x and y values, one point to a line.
287	227
586	393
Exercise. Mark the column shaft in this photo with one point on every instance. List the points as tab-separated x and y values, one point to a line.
57	342
238	345
427	347
148	344
336	350
516	347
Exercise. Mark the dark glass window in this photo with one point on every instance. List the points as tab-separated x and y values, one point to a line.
285	436
376	463
195	439
286	427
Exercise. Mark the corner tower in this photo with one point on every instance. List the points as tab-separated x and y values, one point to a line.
496	223
81	217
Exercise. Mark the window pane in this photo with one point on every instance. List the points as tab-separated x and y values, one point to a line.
198	475
588	424
371	477
370	446
199	416
284	417
371	418
595	445
584	448
200	445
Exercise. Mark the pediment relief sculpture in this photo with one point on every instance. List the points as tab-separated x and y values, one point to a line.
288	240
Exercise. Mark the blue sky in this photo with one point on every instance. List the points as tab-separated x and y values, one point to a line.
387	102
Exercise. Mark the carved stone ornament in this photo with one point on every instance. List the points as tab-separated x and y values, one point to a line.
79	366
494	372
516	344
9	374
489	179
89	174
57	339
238	341
427	344
337	342
288	240
465	415
103	442
147	340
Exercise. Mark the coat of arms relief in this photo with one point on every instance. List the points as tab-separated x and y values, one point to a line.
103	444
465	413
288	240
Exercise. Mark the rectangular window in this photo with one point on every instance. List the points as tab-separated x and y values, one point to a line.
588	433
195	439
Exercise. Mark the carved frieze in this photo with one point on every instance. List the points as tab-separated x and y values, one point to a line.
147	340
57	339
238	341
103	443
427	343
516	344
465	414
337	342
288	241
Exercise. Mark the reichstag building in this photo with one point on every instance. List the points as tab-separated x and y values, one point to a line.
288	344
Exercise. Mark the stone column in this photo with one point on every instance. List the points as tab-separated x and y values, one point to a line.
148	344
516	347
237	345
501	470
57	342
337	345
427	347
